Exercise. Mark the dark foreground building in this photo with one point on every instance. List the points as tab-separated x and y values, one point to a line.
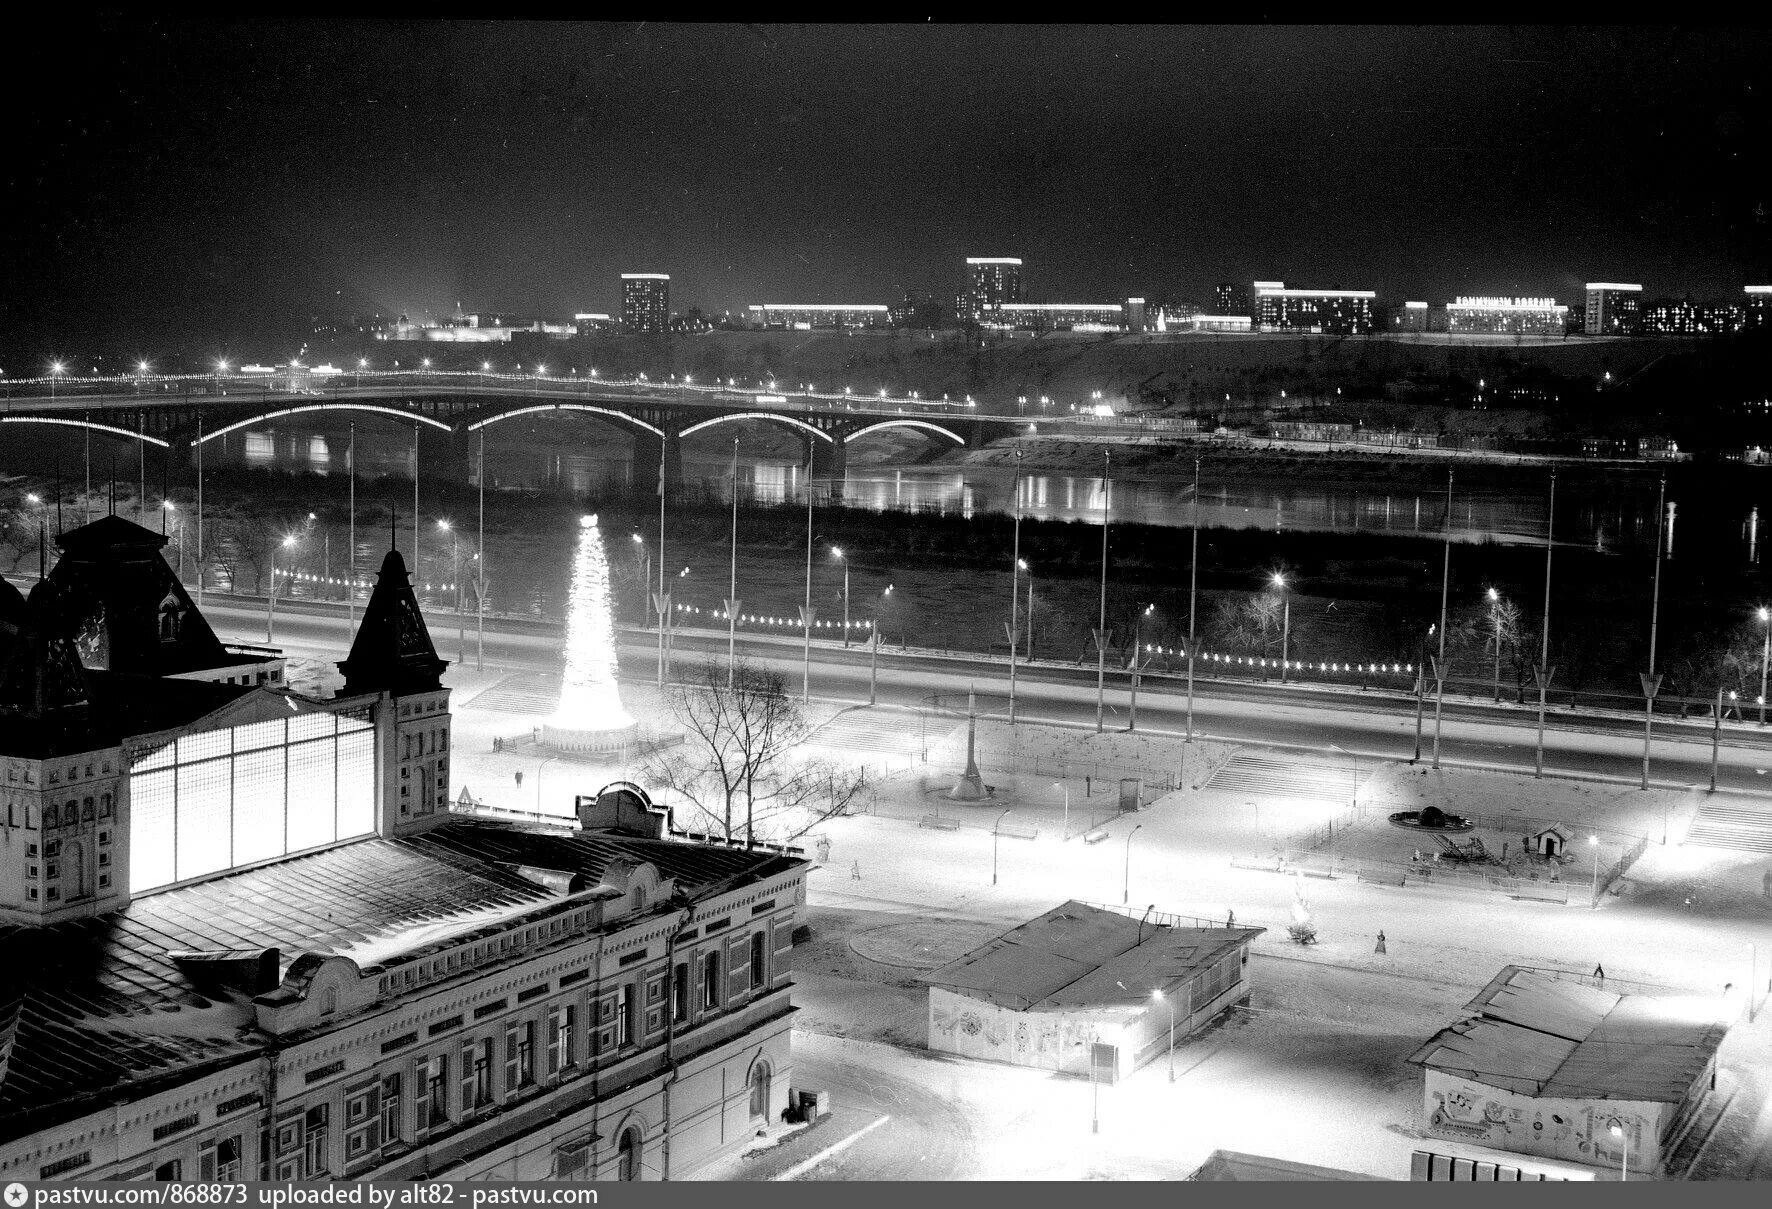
244	938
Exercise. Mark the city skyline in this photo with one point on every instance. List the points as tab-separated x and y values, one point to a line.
303	168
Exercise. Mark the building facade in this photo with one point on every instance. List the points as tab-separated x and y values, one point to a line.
329	974
1332	312
646	302
1410	317
1757	310
1686	317
1058	317
991	282
1506	316
1613	308
816	316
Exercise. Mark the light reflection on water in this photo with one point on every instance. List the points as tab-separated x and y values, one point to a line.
1621	521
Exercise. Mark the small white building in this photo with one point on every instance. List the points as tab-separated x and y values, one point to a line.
1548	1066
1047	992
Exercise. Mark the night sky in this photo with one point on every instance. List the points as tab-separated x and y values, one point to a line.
174	187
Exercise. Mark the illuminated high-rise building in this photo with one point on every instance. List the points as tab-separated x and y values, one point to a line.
1612	308
1506	316
646	302
1758	311
991	281
1338	312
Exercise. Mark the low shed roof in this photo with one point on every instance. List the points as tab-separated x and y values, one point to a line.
1543	1036
1077	955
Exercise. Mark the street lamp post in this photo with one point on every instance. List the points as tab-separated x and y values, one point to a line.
1014	564
1126	885
733	604
1066	786
1544	671
1495	631
1765	655
1193	573
1652	682
1593	842
1170	1004
838	555
289	543
1285	625
662	601
538	769
874	649
1445	588
995	832
1107	497
806	609
1023	564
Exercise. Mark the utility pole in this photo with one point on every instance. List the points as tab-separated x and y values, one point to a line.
479	569
733	604
661	601
200	563
1014	570
1107	488
1543	672
1193	582
1652	682
1440	668
806	609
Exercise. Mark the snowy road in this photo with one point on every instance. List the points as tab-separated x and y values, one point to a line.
1474	734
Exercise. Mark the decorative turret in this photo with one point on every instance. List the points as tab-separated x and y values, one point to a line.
128	611
393	660
392	652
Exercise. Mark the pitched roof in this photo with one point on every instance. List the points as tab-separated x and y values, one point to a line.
1236	1167
1077	955
1543	1036
124	1000
392	651
127	607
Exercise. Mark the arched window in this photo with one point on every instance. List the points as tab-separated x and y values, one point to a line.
51	815
169	618
760	1091
628	1155
639	898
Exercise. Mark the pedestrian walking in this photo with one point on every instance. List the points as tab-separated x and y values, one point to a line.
519	778
1230	920
1380	947
855	871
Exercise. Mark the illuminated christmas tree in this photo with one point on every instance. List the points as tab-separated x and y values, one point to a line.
590	716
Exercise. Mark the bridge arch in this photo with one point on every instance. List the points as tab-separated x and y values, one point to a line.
395	412
609	412
759	415
91	425
926	425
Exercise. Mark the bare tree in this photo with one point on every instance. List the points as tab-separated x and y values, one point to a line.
739	768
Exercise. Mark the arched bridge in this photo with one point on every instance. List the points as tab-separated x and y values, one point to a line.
182	413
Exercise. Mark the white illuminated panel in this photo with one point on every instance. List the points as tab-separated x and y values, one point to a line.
644	277
1037	307
993	260
217	800
1416	306
822	306
1266	292
1506	304
1758	289
1611	285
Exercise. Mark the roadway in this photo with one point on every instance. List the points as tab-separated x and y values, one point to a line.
1370	725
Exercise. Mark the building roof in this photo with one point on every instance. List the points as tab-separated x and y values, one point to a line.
1078	956
131	999
392	651
127	609
1234	1166
1544	1036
